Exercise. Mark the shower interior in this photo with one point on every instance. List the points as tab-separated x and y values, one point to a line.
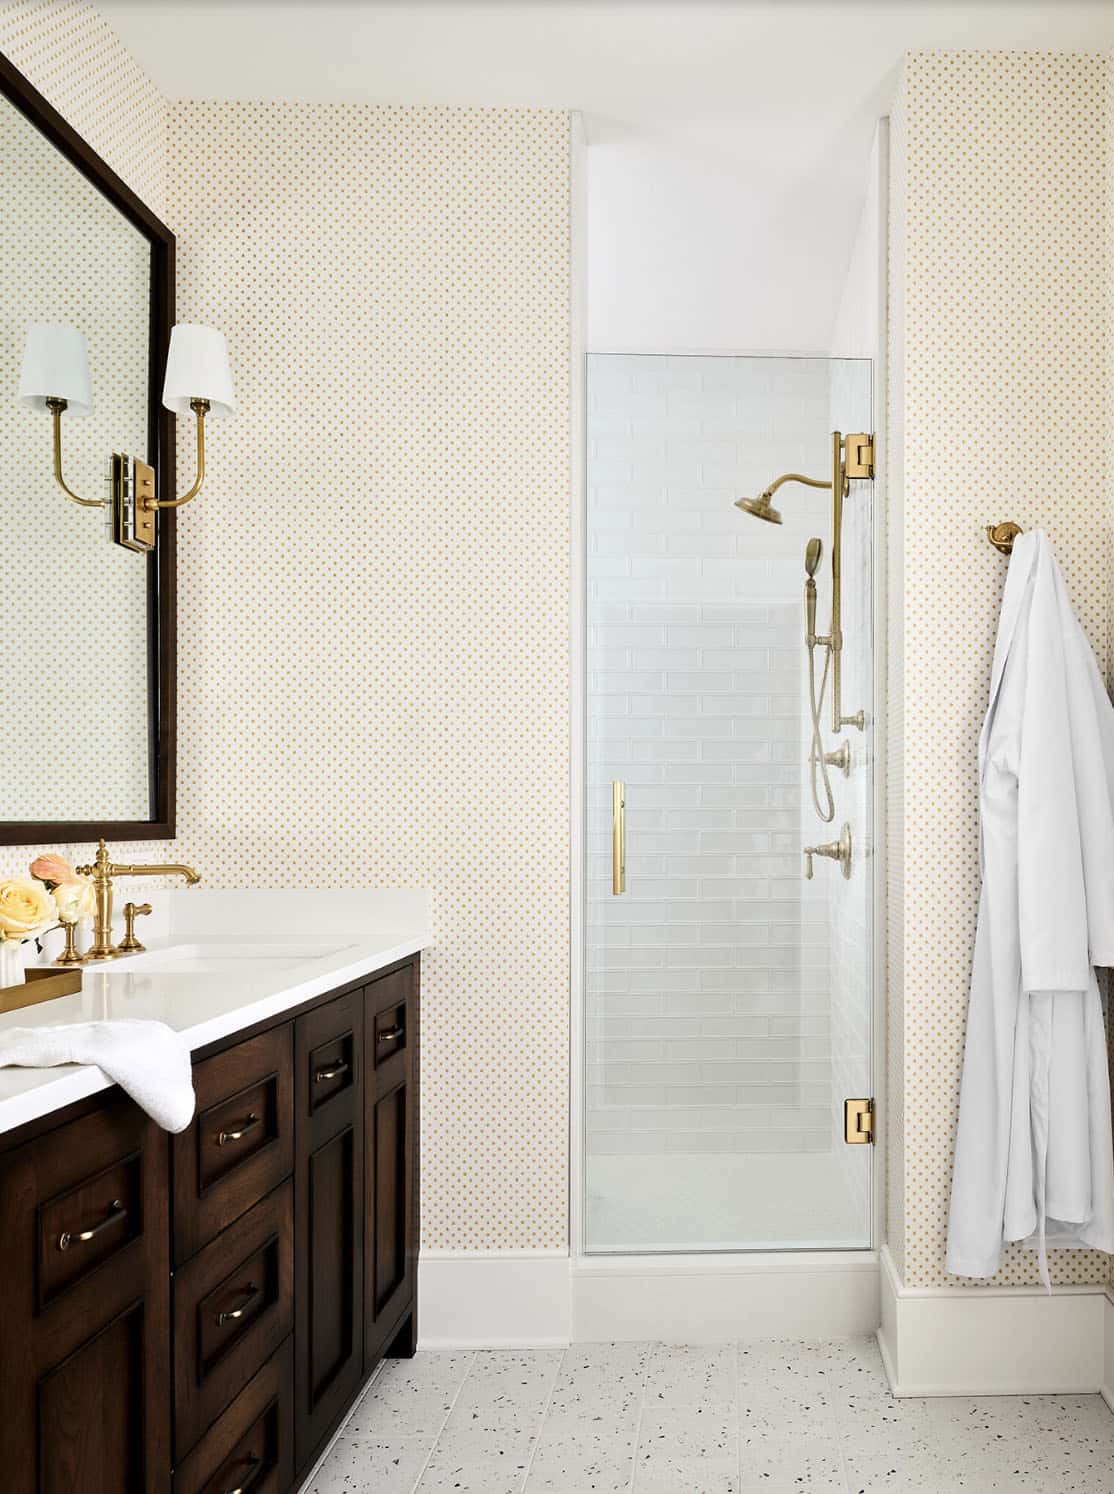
727	1008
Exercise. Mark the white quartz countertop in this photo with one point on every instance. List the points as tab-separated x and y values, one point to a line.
218	962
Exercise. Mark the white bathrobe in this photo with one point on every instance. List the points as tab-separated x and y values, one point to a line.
1034	1159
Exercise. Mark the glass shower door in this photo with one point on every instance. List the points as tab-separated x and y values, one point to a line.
727	997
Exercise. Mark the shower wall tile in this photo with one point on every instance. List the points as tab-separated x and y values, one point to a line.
1000	328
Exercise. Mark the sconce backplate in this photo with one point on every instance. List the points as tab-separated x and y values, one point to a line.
133	523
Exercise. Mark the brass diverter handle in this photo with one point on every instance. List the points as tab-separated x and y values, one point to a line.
836	850
129	944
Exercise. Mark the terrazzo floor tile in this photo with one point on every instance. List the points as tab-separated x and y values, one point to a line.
361	1465
478	1462
505	1390
786	1461
787	1417
671	1475
581	1464
680	1376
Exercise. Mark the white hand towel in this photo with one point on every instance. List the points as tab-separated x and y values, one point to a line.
147	1059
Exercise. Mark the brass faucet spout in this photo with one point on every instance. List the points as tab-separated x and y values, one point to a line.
170	869
102	871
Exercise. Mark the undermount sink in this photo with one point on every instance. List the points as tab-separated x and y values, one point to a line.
223	959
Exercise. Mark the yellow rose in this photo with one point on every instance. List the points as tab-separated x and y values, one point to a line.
74	900
26	909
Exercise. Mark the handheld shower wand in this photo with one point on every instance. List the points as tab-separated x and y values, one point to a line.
822	797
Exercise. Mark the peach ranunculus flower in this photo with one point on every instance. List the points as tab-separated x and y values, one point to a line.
26	909
53	870
75	900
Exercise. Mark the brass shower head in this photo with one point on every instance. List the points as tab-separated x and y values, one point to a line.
760	507
813	551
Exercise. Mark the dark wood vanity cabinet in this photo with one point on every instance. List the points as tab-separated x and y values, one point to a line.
85	1308
196	1314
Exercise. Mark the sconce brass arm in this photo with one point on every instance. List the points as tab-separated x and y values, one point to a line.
200	408
56	406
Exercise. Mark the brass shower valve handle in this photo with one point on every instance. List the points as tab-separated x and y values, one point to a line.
835	850
840	759
129	944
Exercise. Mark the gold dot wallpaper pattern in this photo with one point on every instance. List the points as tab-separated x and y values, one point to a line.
67	255
1001	182
373	623
73	57
374	588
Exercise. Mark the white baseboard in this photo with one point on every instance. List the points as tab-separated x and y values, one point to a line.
492	1299
994	1340
1107	1386
512	1299
712	1298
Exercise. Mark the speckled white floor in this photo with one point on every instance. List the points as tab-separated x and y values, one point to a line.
734	1419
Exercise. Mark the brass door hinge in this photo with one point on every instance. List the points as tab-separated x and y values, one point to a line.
858	455
858	1122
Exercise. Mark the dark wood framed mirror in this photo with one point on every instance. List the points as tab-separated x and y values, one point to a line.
88	718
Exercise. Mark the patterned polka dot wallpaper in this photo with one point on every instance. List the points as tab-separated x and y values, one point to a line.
1000	200
73	56
374	587
67	255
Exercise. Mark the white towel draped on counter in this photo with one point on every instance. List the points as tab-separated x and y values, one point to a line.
147	1059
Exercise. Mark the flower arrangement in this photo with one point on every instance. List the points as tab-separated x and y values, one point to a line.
54	894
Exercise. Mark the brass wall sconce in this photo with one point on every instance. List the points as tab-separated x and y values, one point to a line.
55	377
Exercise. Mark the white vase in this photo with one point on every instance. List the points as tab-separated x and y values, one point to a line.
11	963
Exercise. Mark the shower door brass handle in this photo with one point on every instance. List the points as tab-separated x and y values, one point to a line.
618	837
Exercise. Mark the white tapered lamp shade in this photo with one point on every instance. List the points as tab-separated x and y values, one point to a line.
56	366
197	367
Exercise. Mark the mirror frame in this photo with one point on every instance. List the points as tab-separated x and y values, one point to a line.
161	564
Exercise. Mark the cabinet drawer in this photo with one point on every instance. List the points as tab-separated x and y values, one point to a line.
233	1306
390	1032
241	1142
88	1224
391	990
249	1447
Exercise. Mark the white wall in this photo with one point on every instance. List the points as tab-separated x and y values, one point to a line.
706	242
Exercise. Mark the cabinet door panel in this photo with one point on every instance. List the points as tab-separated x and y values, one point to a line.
390	1274
90	1414
389	1128
329	1101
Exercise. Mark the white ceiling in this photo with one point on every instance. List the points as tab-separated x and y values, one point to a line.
772	106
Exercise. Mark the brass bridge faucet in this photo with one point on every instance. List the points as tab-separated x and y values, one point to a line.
102	872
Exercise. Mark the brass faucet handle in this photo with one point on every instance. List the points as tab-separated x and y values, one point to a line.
129	944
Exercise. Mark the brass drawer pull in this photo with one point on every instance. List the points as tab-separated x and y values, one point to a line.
254	1466
389	1034
224	1137
69	1237
233	1315
338	1068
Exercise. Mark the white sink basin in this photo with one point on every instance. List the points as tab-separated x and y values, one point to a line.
222	959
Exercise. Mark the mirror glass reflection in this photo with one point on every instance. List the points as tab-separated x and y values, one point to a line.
76	610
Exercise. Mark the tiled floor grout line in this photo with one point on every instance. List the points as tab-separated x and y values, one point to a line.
415	1487
545	1413
639	1418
